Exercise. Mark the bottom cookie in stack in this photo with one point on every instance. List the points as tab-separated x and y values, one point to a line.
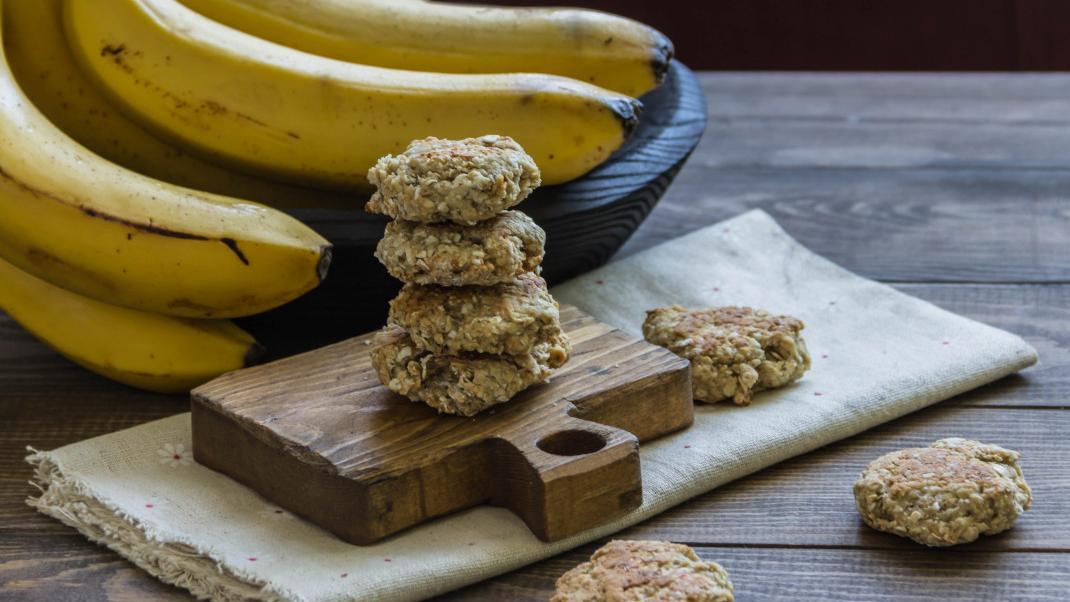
463	349
465	383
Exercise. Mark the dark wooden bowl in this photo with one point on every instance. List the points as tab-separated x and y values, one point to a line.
586	221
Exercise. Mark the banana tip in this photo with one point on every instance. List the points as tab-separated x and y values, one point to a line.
627	111
661	56
255	353
326	253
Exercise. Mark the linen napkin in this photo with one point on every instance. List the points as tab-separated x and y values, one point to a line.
877	354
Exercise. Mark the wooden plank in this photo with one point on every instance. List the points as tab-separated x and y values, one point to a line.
899	225
50	421
789	575
63	567
807	501
884	121
889	144
66	569
736	143
911	99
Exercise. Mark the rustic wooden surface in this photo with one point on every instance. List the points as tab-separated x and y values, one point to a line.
955	188
318	434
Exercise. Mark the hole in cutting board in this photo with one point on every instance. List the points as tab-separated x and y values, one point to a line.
571	443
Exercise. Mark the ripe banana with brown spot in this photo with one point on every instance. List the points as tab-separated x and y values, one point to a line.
45	69
141	349
74	219
287	113
606	50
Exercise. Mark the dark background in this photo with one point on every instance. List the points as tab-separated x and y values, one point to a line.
911	35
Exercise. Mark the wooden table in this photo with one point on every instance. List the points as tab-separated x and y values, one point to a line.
954	188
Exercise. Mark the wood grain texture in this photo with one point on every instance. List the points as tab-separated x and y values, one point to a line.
913	100
991	228
906	178
791	575
320	436
909	225
885	121
66	568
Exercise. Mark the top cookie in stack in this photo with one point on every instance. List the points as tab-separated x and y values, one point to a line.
460	181
474	324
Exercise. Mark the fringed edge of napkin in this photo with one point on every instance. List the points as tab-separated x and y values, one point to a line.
176	563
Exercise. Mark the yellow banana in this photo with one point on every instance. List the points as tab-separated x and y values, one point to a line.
317	120
141	349
71	218
43	65
609	51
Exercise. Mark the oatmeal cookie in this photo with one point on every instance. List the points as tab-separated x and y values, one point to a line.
463	181
734	351
507	319
639	571
462	384
492	251
949	493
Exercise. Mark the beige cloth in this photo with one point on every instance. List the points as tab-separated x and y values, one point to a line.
877	354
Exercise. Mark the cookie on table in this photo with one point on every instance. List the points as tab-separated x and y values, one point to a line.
492	251
509	318
949	493
462	181
463	384
637	571
734	351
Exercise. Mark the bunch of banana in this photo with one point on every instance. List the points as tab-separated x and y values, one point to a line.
106	246
288	114
603	49
124	123
92	227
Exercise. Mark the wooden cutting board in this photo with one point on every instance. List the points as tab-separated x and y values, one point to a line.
318	435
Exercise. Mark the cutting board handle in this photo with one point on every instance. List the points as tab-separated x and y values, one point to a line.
566	475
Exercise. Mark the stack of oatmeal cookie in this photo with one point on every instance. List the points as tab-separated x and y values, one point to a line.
474	324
